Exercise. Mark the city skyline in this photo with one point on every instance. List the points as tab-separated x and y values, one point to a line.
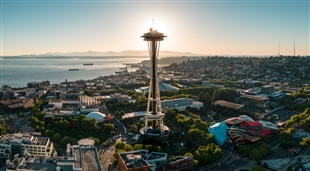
200	27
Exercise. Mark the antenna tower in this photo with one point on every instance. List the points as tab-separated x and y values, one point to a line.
294	47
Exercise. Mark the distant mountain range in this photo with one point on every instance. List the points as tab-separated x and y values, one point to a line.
111	53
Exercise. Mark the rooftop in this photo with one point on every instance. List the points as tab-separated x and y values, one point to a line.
23	138
253	97
86	142
55	100
134	159
177	102
228	104
79	158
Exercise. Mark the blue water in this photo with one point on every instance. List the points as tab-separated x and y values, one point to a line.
17	72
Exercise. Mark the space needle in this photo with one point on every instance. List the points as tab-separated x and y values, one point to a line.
157	128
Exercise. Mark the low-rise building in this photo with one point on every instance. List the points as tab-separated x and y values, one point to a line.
33	84
6	92
162	87
60	113
16	104
268	89
11	144
181	104
224	103
79	157
253	101
56	102
155	161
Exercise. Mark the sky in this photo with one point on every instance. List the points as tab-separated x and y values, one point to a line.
247	27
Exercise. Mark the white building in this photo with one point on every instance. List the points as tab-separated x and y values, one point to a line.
56	102
96	115
181	104
89	104
11	144
78	158
162	87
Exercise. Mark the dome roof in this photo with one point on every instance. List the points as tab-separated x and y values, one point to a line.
246	117
96	115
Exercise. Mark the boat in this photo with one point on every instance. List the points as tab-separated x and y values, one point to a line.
122	71
74	69
133	65
89	64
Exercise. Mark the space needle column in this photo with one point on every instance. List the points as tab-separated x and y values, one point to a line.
153	39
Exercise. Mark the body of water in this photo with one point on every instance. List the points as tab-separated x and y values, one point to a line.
18	71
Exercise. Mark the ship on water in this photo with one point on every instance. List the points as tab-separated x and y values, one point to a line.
122	71
74	69
133	65
88	64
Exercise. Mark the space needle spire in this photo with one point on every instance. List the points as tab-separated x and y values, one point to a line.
294	46
157	128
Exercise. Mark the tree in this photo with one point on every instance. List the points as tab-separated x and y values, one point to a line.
120	145
170	114
89	123
66	140
258	168
49	133
57	137
215	116
138	146
256	154
201	96
201	125
134	128
196	134
188	140
97	141
128	147
20	114
303	144
207	100
188	154
265	149
3	130
208	153
224	94
108	128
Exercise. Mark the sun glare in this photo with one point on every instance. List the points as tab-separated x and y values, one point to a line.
159	25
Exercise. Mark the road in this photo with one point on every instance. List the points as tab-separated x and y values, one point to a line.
107	157
107	153
16	123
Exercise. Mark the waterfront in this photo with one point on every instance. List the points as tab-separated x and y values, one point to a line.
18	71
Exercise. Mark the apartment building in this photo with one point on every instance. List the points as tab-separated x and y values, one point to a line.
79	157
11	144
